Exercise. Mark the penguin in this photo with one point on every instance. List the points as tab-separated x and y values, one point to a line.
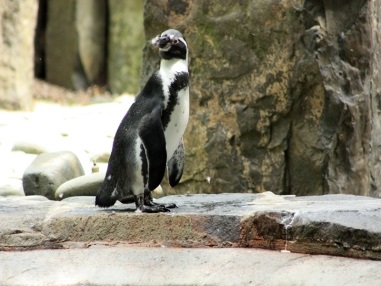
149	137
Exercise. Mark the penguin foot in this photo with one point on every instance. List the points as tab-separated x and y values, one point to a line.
146	205
171	206
148	201
152	209
167	206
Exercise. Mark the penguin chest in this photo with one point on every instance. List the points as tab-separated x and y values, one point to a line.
178	120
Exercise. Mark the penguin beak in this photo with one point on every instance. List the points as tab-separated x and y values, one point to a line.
163	42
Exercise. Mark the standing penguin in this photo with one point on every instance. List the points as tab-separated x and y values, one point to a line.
149	138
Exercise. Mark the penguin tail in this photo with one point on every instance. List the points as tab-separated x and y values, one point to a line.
106	196
104	201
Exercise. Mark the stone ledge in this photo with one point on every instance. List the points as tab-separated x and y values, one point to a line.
182	266
343	225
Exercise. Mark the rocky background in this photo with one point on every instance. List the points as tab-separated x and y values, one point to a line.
74	44
284	94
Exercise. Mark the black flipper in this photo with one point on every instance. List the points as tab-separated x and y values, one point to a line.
151	133
176	165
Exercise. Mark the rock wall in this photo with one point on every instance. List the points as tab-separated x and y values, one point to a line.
284	94
17	20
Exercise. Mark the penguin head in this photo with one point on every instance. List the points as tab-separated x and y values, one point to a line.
172	45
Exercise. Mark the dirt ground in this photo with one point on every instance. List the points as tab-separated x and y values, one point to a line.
45	91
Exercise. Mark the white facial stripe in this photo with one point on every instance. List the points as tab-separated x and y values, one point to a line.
166	48
182	40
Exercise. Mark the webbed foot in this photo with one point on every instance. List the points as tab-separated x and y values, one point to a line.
145	204
148	201
152	209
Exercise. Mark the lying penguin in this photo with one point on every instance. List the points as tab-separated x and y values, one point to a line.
149	138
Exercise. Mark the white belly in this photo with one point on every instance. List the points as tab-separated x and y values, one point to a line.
177	123
135	170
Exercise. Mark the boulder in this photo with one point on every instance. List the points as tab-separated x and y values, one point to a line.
17	20
87	185
125	43
283	94
50	170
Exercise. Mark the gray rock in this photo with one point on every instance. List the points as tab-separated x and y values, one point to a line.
87	185
125	43
48	171
282	94
11	187
18	19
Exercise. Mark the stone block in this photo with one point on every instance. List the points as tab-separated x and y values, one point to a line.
50	170
340	225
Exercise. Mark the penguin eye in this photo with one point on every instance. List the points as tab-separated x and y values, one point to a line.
175	41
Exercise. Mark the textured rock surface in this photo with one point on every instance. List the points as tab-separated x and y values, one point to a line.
17	20
283	95
177	266
125	45
333	224
48	171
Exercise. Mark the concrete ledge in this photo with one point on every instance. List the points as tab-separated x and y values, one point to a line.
341	225
182	266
